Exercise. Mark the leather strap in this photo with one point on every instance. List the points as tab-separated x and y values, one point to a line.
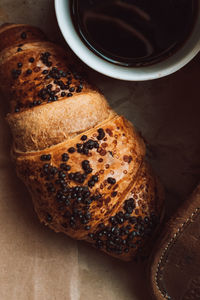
175	269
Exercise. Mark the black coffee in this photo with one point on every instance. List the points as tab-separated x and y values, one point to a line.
134	32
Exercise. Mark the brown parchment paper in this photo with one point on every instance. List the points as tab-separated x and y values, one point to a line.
38	264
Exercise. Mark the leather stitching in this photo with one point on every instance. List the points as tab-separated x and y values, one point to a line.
173	240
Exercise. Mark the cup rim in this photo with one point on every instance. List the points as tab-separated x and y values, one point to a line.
168	66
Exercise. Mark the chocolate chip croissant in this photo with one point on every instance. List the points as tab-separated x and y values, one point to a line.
83	164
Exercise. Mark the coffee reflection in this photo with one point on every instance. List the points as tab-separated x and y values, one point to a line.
134	32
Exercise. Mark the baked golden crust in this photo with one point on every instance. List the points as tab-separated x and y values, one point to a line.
39	128
83	164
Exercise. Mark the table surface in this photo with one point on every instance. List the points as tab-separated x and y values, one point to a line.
166	111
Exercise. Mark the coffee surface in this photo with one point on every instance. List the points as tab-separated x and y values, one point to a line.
133	32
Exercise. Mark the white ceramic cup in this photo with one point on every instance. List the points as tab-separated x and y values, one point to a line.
157	70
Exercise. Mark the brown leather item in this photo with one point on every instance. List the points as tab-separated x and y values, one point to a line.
175	264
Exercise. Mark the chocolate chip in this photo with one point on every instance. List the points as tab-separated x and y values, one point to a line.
114	194
49	218
23	35
111	180
72	89
31	59
28	72
101	134
71	150
65	157
84	137
45	157
19	65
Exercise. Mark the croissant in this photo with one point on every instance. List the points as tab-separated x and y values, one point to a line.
83	164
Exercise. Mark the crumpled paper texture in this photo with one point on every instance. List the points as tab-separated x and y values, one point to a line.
38	264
